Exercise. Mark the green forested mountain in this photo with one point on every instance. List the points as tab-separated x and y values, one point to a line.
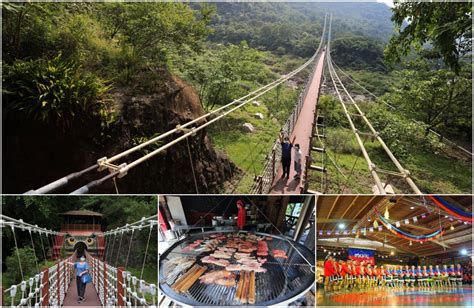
296	27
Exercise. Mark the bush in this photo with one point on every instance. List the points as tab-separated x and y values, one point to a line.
331	109
401	135
342	141
51	91
28	265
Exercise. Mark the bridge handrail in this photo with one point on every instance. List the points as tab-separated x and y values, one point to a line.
118	287
137	225
47	288
264	182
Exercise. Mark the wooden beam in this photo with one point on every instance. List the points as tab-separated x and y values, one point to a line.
458	233
347	210
452	200
332	208
332	220
363	219
398	248
417	227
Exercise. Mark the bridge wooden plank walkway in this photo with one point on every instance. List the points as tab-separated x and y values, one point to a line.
303	130
91	296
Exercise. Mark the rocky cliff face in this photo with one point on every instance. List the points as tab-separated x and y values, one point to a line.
44	155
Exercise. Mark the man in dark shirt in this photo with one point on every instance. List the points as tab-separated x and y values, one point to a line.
286	147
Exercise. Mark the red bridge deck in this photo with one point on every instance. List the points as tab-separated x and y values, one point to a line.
303	130
91	296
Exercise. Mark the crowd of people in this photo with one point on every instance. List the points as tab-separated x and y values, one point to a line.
351	274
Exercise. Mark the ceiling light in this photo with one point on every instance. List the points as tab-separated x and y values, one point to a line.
464	252
341	226
412	207
392	253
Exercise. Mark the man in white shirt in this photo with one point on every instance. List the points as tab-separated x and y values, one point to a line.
297	160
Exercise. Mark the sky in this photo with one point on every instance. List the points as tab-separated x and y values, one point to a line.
387	2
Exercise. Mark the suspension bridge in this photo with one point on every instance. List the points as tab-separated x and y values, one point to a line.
305	123
112	284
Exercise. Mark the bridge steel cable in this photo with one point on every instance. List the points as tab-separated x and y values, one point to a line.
122	169
374	174
331	159
403	173
443	138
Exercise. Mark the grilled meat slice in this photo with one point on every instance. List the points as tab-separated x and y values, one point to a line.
212	260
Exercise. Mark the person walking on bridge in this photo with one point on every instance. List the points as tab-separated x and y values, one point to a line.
286	147
82	270
297	160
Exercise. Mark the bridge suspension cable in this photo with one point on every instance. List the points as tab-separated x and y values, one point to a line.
443	138
403	173
19	223
120	170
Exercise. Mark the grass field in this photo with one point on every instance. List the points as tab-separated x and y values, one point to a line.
246	150
432	172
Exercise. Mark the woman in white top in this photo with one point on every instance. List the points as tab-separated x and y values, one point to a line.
297	159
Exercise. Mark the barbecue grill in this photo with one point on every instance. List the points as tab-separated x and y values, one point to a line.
284	281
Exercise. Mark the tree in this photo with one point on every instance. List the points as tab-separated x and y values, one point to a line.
439	98
226	74
358	52
445	25
28	264
155	29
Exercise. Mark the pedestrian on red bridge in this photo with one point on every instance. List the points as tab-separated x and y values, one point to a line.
286	147
297	160
82	278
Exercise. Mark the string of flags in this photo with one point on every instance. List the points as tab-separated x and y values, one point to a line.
376	227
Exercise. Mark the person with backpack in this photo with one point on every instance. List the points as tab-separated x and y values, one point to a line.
82	278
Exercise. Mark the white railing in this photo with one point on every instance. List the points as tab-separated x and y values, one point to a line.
119	288
46	289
